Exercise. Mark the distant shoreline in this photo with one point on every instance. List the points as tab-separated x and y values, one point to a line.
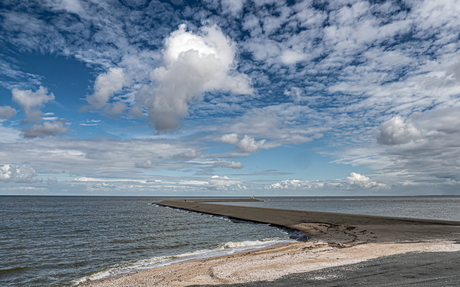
335	239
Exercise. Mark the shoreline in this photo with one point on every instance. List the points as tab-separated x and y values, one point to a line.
334	240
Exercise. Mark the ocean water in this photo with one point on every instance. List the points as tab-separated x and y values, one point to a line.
63	241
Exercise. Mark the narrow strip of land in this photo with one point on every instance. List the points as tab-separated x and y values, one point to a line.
328	226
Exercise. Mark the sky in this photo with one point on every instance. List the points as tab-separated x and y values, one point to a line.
230	97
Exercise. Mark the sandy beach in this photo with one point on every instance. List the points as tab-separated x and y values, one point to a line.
334	240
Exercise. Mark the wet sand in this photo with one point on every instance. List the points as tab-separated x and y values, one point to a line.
334	240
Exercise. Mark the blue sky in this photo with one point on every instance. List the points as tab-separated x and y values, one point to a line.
229	97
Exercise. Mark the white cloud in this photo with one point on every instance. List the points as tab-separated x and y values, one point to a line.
397	131
105	157
194	182
221	177
9	135
184	184
85	179
106	86
228	164
17	173
71	6
233	7
289	184
50	118
90	123
7	112
30	102
229	138
353	182
271	127
193	64
292	57
17	76
248	144
46	129
277	122
361	181
226	183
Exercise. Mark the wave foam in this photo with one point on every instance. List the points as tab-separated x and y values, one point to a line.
221	250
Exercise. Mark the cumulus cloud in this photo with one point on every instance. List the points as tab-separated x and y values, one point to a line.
361	181
7	112
46	129
397	131
290	184
249	144
193	64
106	86
228	164
30	102
16	173
355	181
229	138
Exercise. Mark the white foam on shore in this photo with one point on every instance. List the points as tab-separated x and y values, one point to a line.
221	250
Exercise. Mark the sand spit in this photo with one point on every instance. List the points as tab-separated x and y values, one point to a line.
335	240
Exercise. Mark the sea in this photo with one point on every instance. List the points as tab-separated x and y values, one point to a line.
65	241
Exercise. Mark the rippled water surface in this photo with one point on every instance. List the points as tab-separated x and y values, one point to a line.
60	241
56	241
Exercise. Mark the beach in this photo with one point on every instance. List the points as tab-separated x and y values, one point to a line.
334	240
